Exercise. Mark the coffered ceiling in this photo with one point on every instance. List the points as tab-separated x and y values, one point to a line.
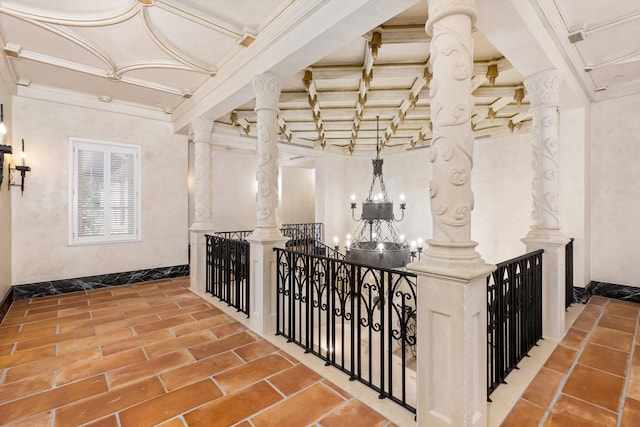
354	62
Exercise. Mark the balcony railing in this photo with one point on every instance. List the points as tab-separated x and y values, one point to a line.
568	274
357	318
227	270
514	314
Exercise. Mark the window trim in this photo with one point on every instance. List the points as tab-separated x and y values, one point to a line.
74	144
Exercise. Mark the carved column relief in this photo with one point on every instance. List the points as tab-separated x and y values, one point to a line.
544	95
450	23
267	88
202	129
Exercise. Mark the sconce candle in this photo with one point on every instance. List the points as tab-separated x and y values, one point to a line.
23	169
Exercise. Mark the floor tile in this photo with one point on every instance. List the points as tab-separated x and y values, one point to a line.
144	369
201	324
619	323
251	372
228	329
94	367
597	300
631	413
174	344
256	350
584	323
51	399
220	346
574	338
561	359
235	407
136	341
162	408
123	356
110	421
523	414
109	402
543	387
294	379
622	309
612	338
199	370
605	359
50	364
30	385
594	386
317	401
25	356
353	414
55	338
571	412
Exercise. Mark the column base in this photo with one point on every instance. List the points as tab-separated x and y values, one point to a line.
262	290
452	346
198	261
452	260
553	277
266	234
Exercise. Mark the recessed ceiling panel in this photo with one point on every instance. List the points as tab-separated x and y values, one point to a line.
71	9
398	53
126	43
191	38
242	13
580	13
36	39
180	79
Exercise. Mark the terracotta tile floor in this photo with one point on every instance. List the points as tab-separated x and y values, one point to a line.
157	354
592	377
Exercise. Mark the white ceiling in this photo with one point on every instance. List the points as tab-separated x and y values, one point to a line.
179	58
601	40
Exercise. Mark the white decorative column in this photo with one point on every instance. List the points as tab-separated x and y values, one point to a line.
452	311
544	95
266	235
202	223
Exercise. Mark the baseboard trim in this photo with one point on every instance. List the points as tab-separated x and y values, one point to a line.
63	286
5	304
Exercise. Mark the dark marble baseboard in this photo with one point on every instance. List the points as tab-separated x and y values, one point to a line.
56	287
614	291
5	304
581	295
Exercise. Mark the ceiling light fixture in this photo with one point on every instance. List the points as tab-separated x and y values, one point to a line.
376	240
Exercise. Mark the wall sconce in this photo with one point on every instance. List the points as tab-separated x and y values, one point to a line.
4	149
23	169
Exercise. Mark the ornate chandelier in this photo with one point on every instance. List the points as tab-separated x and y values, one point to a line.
377	240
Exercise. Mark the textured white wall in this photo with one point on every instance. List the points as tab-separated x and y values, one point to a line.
5	205
233	189
40	219
297	198
615	191
501	182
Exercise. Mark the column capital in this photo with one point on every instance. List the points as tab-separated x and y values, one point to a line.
267	88
439	9
201	129
543	89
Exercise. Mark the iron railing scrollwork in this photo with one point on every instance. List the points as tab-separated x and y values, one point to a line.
227	271
360	319
568	274
514	314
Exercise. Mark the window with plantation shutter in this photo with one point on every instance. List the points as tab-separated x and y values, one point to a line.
105	192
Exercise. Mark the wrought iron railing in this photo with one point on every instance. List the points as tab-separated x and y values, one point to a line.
360	319
234	235
514	314
227	270
305	231
568	274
